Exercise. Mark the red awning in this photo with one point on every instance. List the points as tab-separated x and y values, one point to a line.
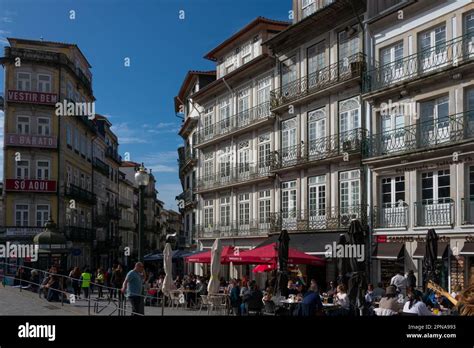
205	256
268	254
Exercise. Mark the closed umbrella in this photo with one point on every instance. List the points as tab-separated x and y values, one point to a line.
358	278
431	254
168	266
213	287
283	250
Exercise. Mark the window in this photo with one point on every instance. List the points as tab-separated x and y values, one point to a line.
21	214
83	181
435	187
471	183
349	121
68	175
23	169
42	214
288	74
82	139
288	133
225	211
264	151
23	125
432	48
225	160
70	91
391	59
316	57
224	113
76	176
434	121
68	135
23	81
263	90
317	131
229	64
244	209
317	196
44	126
349	191
76	139
349	45
244	156
44	83
308	7
246	53
208	214
42	170
243	105
469	23
208	166
288	198
393	191
264	204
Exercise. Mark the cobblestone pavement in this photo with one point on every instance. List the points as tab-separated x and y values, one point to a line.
14	302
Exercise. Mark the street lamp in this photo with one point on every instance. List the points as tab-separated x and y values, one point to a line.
142	179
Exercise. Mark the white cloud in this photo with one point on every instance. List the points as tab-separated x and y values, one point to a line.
161	162
129	135
167	193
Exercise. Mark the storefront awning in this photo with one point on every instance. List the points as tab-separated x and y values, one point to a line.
468	249
421	248
310	243
389	251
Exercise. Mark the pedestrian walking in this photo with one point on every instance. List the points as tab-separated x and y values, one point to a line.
86	282
133	289
75	276
100	280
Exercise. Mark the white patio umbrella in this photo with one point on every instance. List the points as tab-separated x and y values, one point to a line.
168	266
213	287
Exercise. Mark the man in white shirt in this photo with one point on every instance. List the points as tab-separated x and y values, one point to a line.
400	282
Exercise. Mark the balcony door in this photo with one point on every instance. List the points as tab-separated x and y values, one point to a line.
317	202
244	213
288	205
288	140
349	196
434	122
469	200
244	159
435	206
243	106
288	76
349	122
317	140
391	60
469	32
224	114
225	215
469	115
392	133
393	210
349	44
432	49
316	64
208	128
225	162
264	160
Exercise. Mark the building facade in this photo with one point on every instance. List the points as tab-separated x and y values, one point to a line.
420	87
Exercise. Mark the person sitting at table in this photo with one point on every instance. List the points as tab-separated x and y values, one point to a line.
442	303
235	299
252	300
341	299
378	292
415	305
389	304
292	288
311	303
369	295
301	290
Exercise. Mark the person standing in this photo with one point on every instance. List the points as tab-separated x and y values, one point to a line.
100	280
75	275
117	281
411	279
235	299
86	282
133	289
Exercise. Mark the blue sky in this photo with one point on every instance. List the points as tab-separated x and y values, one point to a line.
161	47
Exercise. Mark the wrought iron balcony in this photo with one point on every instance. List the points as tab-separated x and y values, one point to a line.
233	123
248	228
430	212
325	218
101	166
125	202
344	70
80	194
189	197
349	142
453	53
113	154
79	234
113	212
467	211
424	135
126	224
242	173
188	158
391	215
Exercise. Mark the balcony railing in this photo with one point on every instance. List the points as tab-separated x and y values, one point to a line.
79	234
125	202
467	211
346	69
349	142
189	157
325	218
189	197
431	212
113	154
247	228
391	215
429	134
101	166
80	194
233	123
449	54
243	172
126	224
